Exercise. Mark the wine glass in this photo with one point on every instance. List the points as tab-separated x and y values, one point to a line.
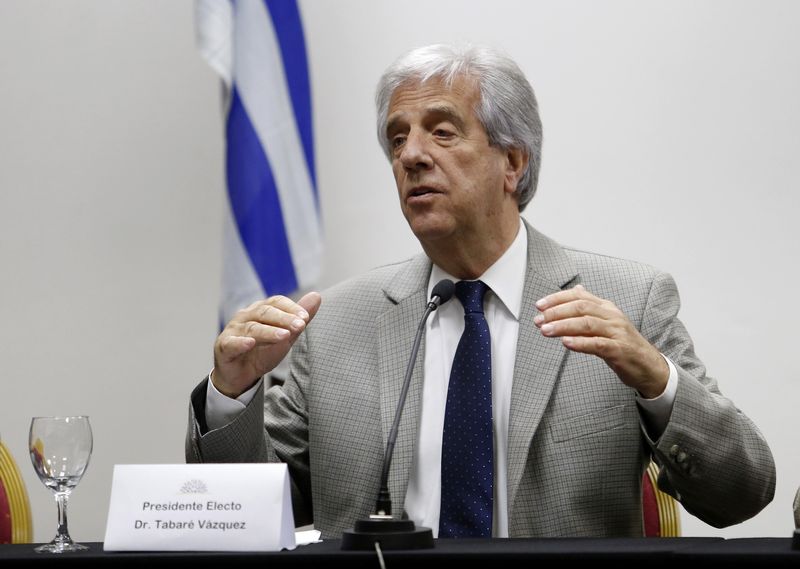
60	448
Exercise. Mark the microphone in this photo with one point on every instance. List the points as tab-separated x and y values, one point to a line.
441	293
381	527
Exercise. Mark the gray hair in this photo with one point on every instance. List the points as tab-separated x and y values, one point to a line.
507	108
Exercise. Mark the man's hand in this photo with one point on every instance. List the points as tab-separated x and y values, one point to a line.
256	340
591	325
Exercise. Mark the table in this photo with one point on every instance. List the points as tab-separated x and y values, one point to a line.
680	553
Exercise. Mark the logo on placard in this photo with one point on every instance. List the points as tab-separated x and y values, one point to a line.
194	486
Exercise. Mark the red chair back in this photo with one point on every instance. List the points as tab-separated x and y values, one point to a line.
660	512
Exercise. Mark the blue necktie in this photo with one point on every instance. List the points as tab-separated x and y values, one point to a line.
467	454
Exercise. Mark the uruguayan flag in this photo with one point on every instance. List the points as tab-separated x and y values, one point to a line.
272	234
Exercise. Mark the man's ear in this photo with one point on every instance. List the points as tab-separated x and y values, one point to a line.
516	163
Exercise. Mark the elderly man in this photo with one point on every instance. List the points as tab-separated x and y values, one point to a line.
546	386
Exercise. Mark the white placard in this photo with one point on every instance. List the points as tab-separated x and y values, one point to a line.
200	507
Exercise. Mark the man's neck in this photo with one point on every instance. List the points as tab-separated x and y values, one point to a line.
466	258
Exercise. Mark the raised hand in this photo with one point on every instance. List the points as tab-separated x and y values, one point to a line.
257	338
592	325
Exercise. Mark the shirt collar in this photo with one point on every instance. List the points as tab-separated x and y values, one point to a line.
506	277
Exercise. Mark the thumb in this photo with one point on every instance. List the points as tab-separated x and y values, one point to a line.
311	303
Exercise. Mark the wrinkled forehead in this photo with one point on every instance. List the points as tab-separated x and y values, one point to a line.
460	92
457	84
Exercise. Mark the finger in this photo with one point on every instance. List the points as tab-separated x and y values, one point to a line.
289	306
261	333
574	309
231	347
579	326
269	314
595	346
574	293
273	310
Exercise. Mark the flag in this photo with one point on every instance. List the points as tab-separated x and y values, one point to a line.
272	236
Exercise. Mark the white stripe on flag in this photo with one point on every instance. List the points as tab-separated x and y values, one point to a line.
259	77
214	29
240	283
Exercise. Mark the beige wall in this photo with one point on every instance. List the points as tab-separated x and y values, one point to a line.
670	137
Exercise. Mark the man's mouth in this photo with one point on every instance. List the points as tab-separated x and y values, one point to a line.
421	191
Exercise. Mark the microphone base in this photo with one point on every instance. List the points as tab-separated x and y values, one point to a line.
796	540
390	533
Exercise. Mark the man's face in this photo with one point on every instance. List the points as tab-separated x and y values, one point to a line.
451	183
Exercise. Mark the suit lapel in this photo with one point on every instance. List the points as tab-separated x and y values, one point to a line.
397	327
538	359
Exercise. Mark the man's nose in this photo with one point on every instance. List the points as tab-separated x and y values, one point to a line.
414	155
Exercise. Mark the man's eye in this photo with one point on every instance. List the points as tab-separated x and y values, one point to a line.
442	133
397	141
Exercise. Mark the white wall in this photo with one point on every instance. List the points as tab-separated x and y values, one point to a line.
671	136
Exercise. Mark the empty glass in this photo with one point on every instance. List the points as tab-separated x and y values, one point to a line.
60	449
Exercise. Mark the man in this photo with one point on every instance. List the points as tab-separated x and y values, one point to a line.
576	374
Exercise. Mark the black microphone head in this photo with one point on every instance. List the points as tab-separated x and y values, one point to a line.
797	510
444	289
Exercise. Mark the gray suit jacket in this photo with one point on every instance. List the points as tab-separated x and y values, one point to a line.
576	449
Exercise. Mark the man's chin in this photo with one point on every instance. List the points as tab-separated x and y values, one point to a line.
431	230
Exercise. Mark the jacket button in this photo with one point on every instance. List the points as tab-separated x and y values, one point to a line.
674	449
682	456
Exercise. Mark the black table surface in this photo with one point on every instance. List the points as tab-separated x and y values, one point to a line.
626	552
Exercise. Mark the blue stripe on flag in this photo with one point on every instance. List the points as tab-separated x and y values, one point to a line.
289	33
255	204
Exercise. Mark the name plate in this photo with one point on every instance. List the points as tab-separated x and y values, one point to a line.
200	507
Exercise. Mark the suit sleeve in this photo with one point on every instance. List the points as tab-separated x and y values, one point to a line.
713	459
272	428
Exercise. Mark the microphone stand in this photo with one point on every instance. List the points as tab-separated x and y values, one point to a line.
381	527
796	509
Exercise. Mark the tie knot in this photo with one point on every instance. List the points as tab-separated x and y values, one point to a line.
471	293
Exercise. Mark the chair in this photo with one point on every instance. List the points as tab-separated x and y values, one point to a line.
659	509
15	509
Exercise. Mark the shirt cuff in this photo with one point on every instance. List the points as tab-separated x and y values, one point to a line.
656	411
221	409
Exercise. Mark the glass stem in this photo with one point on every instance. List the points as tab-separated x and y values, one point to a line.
63	532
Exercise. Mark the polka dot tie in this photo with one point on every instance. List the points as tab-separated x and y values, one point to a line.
467	454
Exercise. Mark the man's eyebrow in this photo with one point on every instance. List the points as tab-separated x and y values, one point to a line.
438	111
448	113
392	124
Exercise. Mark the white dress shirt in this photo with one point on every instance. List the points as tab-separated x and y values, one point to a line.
502	305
